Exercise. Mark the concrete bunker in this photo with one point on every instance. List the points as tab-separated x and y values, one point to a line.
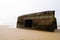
40	20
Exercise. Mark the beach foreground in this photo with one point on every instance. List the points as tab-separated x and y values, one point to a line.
7	33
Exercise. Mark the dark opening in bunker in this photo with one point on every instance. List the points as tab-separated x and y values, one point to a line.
28	23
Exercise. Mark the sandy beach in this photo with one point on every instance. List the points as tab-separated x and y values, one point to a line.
7	33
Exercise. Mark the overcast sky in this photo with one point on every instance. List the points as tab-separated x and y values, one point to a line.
11	9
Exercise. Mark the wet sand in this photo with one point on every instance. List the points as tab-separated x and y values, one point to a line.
7	33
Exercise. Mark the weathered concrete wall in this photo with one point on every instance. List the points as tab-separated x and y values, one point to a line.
40	18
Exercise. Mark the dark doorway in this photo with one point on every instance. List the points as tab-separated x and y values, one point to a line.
28	23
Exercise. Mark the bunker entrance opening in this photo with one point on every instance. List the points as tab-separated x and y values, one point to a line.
28	23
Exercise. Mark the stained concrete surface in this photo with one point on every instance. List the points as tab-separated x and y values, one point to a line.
7	33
